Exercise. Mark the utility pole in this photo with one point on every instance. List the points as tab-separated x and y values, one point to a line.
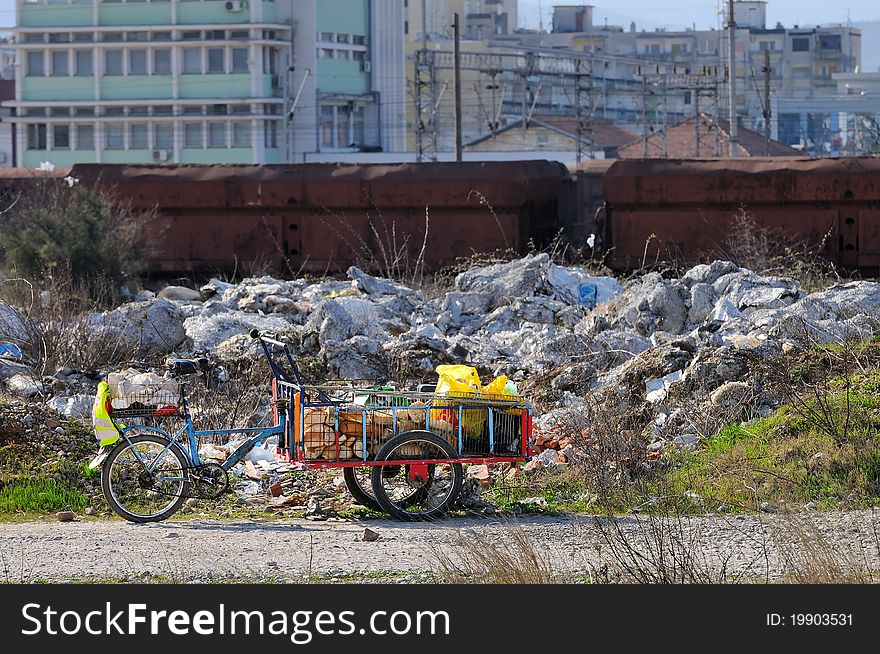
731	80
456	28
767	112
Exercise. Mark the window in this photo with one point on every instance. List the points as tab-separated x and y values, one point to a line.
160	36
767	46
192	110
83	37
59	37
136	36
679	48
137	62
57	112
138	137
687	97
326	128
829	42
325	53
359	55
239	60
241	134
241	109
192	135
163	136
343	54
36	137
115	136
216	35
271	135
217	135
35	38
35	64
191	36
113	62
113	111
215	60
59	63
217	109
161	62
84	111
357	39
239	35
800	44
85	137
163	110
138	110
270	60
61	137
343	38
84	62
327	36
112	37
192	60
800	72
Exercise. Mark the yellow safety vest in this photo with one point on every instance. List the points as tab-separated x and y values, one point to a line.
105	430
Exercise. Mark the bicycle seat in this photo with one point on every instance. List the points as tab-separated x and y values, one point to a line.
187	366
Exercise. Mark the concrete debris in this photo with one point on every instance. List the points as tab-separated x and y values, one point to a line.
180	294
369	535
145	328
659	345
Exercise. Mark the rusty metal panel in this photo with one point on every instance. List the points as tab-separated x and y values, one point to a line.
646	237
322	216
868	237
749	181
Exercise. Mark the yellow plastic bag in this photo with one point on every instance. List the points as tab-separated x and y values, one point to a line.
458	381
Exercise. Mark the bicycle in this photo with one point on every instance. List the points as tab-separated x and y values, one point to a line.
411	444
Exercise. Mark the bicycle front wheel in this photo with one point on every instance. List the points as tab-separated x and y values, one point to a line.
145	479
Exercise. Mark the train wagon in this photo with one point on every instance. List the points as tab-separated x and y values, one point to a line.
660	210
318	217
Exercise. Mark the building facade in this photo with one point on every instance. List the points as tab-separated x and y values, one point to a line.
202	81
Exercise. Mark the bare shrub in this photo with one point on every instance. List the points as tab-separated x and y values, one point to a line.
478	558
811	557
661	547
772	251
49	323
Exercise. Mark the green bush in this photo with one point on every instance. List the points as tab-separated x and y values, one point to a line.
79	232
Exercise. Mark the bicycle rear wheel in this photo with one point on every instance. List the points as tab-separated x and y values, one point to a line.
145	479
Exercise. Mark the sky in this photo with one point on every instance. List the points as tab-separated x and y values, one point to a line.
650	14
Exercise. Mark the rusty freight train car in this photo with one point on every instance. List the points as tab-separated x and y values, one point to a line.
661	210
318	217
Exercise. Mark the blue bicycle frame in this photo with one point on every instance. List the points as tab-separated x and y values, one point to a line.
190	434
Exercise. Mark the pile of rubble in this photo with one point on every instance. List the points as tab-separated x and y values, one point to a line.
567	332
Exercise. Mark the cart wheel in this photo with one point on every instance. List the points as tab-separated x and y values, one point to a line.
357	480
436	485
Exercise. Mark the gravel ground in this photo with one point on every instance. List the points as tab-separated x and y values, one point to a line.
201	550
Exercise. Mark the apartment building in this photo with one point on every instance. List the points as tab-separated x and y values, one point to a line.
479	19
204	81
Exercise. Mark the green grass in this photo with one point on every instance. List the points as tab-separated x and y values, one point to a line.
38	495
787	457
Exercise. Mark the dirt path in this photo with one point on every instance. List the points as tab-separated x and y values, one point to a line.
199	550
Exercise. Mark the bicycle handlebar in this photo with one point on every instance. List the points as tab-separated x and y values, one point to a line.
256	334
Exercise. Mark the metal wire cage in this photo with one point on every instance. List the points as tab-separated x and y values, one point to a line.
152	401
352	423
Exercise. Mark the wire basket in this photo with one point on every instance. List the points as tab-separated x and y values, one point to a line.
158	401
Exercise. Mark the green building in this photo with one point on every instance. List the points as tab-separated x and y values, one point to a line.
205	81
